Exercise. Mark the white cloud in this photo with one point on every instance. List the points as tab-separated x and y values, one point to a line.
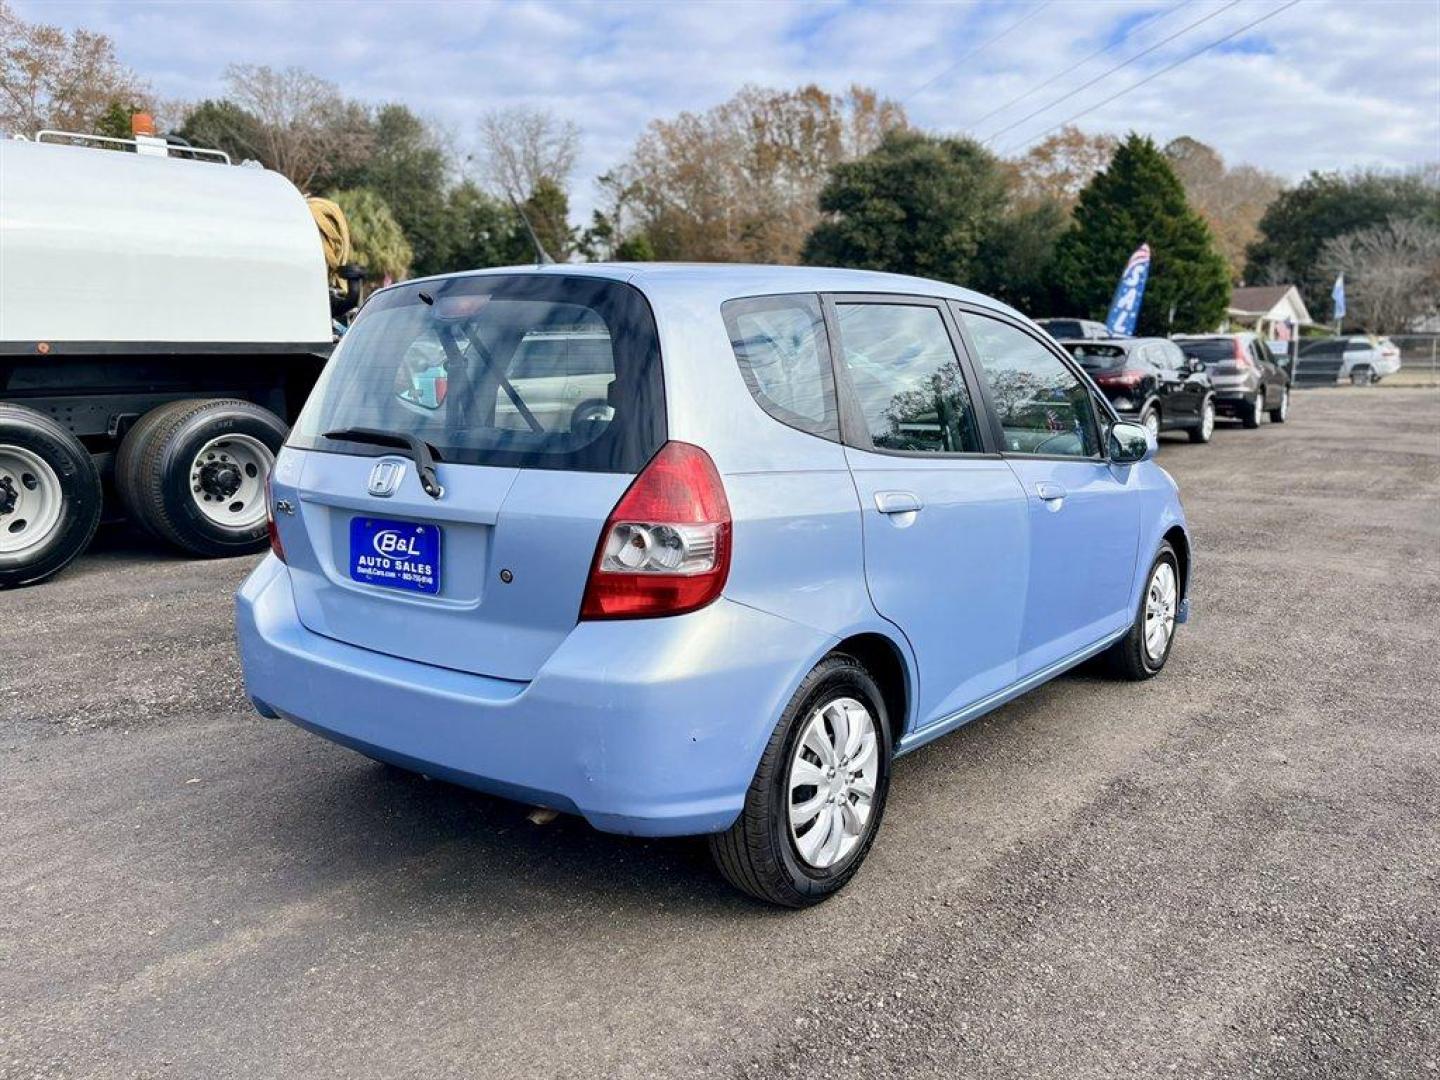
1326	84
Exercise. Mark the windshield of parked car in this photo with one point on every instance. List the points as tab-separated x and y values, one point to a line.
1208	350
540	371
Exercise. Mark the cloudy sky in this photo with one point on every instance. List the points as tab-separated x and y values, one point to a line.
1322	84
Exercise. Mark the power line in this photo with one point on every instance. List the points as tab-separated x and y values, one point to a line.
977	50
1077	65
1111	71
1157	74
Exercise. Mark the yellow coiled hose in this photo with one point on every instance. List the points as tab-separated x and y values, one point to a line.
334	235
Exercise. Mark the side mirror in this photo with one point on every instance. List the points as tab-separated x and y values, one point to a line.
1193	365
1130	443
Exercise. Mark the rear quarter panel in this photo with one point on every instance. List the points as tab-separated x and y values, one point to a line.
798	550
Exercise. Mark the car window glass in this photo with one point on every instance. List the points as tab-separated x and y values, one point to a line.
784	357
1042	407
906	378
509	370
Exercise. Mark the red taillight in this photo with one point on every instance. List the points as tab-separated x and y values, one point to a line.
666	546
1242	358
1128	377
275	545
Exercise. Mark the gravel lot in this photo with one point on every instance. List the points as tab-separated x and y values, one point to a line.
1228	871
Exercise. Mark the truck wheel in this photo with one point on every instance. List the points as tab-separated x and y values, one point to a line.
49	497
193	474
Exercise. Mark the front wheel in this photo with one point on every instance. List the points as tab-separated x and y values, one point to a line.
1202	432
815	804
49	496
1142	652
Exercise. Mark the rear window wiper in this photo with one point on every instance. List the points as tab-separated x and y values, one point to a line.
421	452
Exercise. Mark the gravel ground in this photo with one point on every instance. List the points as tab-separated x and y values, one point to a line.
1228	871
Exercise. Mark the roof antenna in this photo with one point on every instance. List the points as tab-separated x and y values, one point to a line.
542	257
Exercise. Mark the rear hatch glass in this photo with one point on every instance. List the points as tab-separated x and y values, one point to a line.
1096	357
539	396
1209	350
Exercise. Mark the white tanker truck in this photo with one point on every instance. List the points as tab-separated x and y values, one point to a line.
162	319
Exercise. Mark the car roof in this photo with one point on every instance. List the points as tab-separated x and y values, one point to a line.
725	281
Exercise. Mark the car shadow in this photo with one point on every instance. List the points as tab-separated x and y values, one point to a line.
397	839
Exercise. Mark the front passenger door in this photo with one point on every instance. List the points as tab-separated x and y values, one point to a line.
1084	513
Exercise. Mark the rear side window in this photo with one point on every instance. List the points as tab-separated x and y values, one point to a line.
784	357
906	378
1042	406
538	371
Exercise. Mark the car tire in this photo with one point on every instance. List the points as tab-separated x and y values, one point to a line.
1362	376
1256	412
761	853
1138	656
50	497
192	473
1149	419
1281	412
1205	429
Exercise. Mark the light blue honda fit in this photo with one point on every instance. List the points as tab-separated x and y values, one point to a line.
700	549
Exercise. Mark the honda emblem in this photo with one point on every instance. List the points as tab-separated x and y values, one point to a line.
385	478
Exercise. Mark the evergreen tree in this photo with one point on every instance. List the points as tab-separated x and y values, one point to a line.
917	204
1138	200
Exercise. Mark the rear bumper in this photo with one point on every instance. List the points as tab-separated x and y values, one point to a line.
1232	400
649	727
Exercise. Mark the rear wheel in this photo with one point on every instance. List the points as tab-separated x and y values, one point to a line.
49	497
817	798
1150	421
1255	410
1362	376
1202	431
193	474
1281	412
1142	652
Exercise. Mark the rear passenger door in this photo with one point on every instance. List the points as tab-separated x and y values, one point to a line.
1181	393
944	517
1084	513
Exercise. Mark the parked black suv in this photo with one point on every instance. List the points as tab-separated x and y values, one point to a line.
1149	380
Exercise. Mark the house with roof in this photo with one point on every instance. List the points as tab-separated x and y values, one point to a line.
1274	312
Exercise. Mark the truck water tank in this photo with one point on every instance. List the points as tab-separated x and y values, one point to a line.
103	247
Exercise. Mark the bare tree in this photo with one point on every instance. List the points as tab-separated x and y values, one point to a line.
1392	272
52	79
740	182
1231	201
1059	167
525	146
303	127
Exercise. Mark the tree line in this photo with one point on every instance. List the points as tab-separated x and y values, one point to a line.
786	176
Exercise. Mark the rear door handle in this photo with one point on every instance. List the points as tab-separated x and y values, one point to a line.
897	502
1050	492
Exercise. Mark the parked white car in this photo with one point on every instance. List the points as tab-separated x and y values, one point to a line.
1360	359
